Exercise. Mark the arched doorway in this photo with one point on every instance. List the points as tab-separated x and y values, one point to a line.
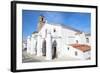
44	48
54	49
36	48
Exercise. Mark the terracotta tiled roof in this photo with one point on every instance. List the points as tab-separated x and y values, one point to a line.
82	47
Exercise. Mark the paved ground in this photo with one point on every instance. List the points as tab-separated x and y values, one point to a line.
33	58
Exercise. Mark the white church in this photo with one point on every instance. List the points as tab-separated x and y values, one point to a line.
57	40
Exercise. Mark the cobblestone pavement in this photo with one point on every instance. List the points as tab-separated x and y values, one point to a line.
33	58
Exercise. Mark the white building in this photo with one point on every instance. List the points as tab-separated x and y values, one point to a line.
24	45
56	40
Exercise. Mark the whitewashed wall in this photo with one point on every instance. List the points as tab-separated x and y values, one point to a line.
71	52
89	37
33	44
24	45
5	60
63	37
68	36
28	44
39	44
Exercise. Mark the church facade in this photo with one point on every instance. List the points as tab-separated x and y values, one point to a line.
57	40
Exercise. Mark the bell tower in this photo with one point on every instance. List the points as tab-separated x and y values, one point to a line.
41	22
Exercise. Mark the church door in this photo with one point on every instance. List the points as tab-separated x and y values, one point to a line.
36	48
54	49
44	48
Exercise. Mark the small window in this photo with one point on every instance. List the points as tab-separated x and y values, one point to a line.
54	30
75	53
77	41
68	48
87	40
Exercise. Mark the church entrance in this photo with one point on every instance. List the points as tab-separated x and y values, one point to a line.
36	48
44	48
54	49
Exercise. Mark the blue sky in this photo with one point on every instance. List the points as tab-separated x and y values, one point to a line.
80	21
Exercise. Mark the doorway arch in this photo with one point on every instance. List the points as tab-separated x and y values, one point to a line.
54	49
36	48
44	48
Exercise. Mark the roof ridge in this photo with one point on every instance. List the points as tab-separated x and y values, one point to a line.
65	26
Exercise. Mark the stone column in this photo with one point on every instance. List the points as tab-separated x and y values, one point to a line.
38	45
48	47
28	44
